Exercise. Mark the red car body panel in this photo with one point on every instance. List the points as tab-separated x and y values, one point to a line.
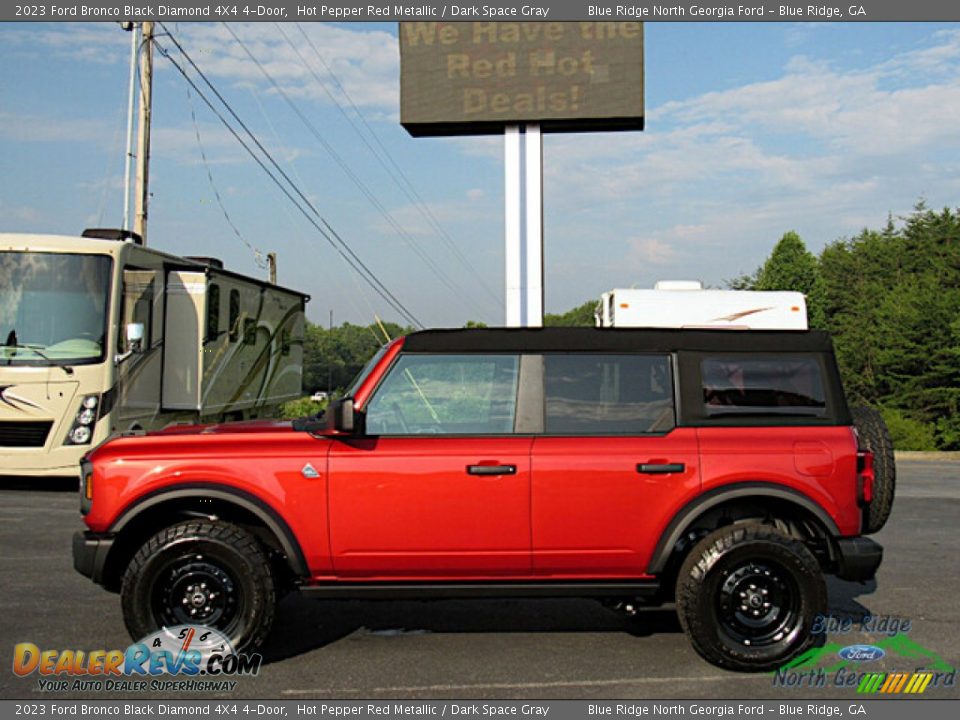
408	507
818	462
593	513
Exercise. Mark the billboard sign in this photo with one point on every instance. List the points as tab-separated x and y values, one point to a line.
472	78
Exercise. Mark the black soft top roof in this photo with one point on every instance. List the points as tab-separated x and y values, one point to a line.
578	339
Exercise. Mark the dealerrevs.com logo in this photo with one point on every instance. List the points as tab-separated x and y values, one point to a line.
179	658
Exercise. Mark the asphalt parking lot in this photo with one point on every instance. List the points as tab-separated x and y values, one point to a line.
484	649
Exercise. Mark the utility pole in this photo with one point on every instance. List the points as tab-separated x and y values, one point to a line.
142	192
134	30
272	264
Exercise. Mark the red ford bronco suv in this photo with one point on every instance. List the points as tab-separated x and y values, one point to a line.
719	469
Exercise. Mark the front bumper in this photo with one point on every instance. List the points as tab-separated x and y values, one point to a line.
90	552
858	558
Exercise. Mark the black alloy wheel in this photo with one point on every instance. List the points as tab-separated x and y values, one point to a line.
201	572
748	595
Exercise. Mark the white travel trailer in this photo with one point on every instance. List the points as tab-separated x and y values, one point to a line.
99	336
685	304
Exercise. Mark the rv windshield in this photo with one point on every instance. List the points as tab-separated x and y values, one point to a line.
53	308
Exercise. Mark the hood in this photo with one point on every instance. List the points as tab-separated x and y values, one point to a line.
229	428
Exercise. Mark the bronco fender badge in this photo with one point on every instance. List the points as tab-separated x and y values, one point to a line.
309	471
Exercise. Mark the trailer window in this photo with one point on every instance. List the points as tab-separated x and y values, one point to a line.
608	394
249	331
767	386
213	312
234	315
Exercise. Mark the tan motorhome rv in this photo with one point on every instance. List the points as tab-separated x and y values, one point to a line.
101	336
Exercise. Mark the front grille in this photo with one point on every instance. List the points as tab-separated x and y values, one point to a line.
24	433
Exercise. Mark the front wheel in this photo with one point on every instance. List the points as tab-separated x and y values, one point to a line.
201	572
748	596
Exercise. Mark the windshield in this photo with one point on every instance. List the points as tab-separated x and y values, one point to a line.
53	308
365	371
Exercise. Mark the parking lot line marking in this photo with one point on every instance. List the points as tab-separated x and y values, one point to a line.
522	686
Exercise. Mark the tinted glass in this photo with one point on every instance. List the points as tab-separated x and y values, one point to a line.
608	394
770	386
213	312
446	395
234	319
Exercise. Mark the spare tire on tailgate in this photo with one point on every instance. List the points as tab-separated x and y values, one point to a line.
875	437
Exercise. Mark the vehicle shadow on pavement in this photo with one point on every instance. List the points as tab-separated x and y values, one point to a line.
42	484
842	598
303	624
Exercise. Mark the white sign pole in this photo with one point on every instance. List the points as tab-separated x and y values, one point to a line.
533	173
523	212
514	228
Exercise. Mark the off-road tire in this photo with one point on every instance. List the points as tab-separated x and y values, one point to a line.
230	564
724	566
875	437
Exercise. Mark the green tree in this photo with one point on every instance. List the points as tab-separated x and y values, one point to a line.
792	267
580	316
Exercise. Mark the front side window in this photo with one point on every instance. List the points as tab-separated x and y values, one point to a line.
587	394
768	386
53	307
446	395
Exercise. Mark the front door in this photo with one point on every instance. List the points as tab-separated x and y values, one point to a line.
438	487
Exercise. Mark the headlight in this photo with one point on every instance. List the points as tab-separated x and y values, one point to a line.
80	435
82	429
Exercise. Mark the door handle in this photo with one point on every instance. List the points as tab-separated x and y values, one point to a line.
491	469
660	469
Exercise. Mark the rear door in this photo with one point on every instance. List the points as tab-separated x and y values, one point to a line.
611	465
439	485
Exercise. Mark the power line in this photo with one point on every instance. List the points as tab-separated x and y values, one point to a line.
342	249
458	292
394	170
257	253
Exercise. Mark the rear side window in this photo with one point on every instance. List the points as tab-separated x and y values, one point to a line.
608	394
446	395
766	386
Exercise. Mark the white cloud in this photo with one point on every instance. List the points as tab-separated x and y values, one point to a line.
309	60
717	178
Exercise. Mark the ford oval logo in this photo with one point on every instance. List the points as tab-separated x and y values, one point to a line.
861	653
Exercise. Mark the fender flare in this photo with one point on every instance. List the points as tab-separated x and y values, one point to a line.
271	519
689	512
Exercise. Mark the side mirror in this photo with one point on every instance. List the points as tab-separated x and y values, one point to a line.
135	333
343	415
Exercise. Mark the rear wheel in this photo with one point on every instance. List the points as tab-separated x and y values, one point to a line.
875	437
201	572
748	596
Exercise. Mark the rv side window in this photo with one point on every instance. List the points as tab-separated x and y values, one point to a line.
769	386
249	331
234	315
285	342
138	293
213	312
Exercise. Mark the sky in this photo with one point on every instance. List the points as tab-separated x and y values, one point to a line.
752	130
